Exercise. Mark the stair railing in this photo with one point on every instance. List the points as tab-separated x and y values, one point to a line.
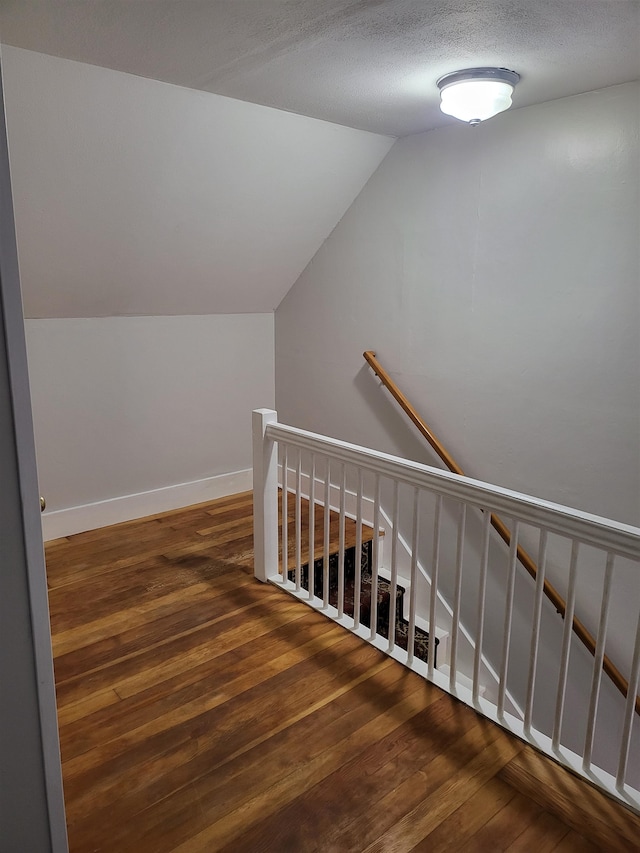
319	465
581	631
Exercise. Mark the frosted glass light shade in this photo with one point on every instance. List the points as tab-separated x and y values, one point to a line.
477	94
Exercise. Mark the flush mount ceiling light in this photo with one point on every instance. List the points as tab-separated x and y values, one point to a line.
476	94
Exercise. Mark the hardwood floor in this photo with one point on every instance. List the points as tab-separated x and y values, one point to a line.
200	711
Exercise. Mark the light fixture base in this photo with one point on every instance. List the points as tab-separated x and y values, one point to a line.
502	74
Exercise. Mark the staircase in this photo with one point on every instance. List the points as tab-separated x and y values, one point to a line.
384	586
567	710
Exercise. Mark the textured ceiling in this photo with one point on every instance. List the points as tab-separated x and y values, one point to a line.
369	64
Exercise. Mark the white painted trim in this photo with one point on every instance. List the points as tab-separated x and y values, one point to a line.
603	533
76	519
32	704
265	496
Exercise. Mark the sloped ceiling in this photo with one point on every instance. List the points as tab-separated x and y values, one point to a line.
370	64
136	197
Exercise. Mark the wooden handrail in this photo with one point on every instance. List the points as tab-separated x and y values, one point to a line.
499	526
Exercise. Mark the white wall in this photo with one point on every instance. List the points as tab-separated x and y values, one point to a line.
134	404
134	197
496	272
137	197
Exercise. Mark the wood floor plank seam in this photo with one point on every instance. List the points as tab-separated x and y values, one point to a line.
424	784
416	825
307	649
153	749
190	674
190	711
162	643
107	626
211	781
392	805
134	637
468	819
216	768
353	776
233	822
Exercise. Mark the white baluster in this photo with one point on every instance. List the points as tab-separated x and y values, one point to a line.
394	566
482	592
457	593
375	557
358	573
298	518
285	513
327	520
343	475
312	526
566	646
508	617
535	631
411	633
629	713
596	678
433	597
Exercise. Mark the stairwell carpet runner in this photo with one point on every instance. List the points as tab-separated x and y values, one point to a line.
421	641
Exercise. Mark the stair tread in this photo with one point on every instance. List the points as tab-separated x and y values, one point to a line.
350	531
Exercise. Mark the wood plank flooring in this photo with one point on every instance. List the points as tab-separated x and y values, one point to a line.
201	711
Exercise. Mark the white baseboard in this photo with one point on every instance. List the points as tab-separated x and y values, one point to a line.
76	519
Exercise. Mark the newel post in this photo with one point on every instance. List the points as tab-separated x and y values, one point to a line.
265	496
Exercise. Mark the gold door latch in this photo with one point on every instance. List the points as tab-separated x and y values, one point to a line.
43	504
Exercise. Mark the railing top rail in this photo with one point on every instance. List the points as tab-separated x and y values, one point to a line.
603	533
